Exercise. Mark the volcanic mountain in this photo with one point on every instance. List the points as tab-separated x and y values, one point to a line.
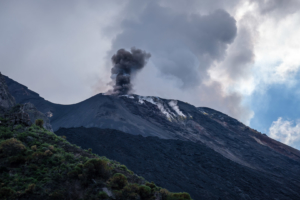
229	160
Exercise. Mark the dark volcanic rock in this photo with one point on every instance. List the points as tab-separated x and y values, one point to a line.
23	113
16	115
186	166
34	114
6	99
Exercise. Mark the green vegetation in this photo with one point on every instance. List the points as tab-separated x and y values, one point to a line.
39	123
37	164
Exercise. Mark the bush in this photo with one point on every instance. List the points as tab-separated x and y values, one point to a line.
6	192
5	133
164	194
12	147
30	188
102	195
39	123
151	185
123	167
73	174
34	148
48	153
118	181
144	191
129	192
180	196
97	168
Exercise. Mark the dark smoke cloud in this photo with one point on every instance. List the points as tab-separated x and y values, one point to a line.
126	65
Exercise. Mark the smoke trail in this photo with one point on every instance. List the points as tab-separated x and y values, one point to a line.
126	65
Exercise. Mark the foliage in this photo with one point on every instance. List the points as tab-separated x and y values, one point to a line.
182	196
39	123
118	181
6	192
144	191
11	147
102	195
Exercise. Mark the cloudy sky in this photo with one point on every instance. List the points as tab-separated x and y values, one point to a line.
240	57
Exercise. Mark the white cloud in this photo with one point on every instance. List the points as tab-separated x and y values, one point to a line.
277	50
285	131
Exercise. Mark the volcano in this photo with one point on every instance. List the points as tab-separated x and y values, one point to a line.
195	149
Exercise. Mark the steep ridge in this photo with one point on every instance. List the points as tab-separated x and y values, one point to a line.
172	119
183	165
6	99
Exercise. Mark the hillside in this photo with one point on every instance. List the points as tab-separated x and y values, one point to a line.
184	165
37	164
266	168
168	119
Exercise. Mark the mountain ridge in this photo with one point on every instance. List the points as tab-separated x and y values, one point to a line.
173	120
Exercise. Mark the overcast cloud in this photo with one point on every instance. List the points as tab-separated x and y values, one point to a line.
224	54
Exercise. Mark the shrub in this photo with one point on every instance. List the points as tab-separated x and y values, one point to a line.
69	156
118	181
90	150
48	153
39	123
102	195
34	148
180	196
129	192
123	167
151	185
6	192
17	160
30	188
73	174
5	133
57	194
164	194
12	147
96	168
144	191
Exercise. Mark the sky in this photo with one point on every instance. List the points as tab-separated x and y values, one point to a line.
240	57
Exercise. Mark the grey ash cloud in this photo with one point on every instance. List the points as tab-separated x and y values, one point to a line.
125	66
184	47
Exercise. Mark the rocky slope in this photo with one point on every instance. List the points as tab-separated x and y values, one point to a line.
184	165
6	99
23	112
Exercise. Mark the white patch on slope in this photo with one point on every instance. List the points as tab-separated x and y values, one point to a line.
156	101
128	96
173	105
149	99
164	111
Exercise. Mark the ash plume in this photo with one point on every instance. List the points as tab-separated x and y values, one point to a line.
125	66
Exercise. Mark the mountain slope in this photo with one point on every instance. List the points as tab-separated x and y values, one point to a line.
167	119
172	119
183	165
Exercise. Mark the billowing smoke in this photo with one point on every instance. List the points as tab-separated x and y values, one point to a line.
126	65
